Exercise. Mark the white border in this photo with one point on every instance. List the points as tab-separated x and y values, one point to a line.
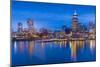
82	2
4	33
5	40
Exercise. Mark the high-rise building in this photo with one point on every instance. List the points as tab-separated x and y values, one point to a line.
20	28
82	27
92	29
30	26
75	27
91	25
75	22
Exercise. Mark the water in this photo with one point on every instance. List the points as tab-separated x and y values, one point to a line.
33	53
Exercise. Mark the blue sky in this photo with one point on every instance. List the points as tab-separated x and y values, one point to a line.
50	16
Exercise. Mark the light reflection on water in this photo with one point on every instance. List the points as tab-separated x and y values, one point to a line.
47	52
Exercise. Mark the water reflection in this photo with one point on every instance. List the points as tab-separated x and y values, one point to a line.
21	46
15	47
31	47
42	44
73	45
42	50
92	45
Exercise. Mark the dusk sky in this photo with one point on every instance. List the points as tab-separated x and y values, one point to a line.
50	16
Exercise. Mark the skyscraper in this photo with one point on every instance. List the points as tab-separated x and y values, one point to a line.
30	26
75	27
20	28
75	22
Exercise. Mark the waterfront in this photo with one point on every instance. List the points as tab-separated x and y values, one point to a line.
33	52
52	33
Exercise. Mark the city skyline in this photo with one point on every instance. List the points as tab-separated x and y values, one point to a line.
46	17
45	33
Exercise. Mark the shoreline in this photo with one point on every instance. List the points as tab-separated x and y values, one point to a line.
53	39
